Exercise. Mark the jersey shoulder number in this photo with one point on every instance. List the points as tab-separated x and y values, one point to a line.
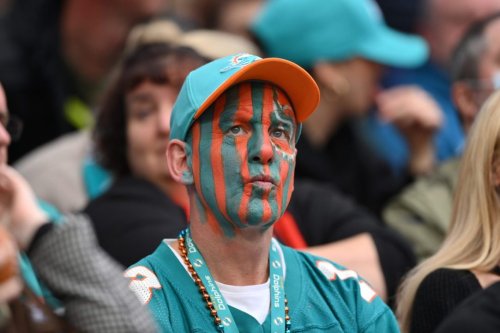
332	273
142	282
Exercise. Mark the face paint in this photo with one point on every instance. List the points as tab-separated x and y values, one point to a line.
243	158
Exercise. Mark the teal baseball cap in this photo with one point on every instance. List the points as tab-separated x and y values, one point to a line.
308	31
205	84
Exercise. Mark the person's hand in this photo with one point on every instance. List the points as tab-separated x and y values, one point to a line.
19	209
10	280
417	116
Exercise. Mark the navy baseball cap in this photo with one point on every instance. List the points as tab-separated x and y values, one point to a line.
205	84
307	31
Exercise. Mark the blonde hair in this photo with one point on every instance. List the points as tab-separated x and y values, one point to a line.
473	238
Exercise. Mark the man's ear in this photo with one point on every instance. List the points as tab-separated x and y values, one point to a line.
178	163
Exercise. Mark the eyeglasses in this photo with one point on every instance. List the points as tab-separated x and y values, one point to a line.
13	124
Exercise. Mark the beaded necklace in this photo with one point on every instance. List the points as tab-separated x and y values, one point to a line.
213	298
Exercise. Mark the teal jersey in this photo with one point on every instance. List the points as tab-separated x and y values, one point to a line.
322	297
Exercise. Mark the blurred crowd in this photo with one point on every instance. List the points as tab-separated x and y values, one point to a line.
397	172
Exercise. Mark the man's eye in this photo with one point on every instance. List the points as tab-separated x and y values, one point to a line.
235	130
279	133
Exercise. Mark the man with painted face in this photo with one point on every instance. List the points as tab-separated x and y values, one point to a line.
233	132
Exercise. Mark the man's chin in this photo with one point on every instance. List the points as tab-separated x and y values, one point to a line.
258	218
258	227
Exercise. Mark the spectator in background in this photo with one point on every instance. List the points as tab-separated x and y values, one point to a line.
55	56
131	133
347	67
86	280
67	260
442	23
469	258
422	212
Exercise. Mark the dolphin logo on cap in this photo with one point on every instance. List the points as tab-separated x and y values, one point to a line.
239	60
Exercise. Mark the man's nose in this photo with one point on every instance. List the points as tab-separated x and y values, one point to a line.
261	148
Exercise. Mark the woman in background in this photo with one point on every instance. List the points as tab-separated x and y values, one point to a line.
131	134
469	258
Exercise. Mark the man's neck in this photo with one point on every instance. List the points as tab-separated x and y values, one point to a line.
240	260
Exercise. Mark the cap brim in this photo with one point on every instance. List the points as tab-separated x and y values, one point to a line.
389	47
291	78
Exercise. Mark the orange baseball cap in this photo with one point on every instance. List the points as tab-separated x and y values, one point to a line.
204	85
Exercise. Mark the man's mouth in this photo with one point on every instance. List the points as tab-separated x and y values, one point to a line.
263	181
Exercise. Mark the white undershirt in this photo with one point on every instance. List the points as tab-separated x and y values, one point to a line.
253	300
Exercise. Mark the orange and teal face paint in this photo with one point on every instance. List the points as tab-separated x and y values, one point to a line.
243	158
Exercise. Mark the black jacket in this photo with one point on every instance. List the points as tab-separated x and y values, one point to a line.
348	163
132	218
438	295
479	313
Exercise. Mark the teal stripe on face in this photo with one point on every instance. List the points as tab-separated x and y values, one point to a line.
256	208
231	158
287	187
275	173
207	176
